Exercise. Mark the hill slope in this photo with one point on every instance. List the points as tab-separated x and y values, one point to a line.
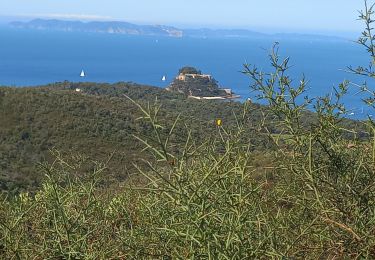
96	122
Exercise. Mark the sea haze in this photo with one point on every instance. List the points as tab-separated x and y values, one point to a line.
32	57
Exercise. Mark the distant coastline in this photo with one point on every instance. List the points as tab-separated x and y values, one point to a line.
119	27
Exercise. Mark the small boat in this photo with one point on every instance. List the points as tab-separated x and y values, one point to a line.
164	78
82	74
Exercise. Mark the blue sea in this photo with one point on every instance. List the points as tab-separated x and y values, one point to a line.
29	58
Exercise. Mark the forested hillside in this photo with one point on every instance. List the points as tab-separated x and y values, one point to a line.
96	122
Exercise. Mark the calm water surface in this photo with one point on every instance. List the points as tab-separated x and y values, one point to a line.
30	58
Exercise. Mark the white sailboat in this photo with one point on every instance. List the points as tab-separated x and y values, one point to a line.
82	74
164	78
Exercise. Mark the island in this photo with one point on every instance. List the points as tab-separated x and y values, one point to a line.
194	84
99	27
126	28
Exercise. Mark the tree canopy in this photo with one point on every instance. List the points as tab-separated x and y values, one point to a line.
189	70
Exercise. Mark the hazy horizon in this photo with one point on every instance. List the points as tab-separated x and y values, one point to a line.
270	16
6	20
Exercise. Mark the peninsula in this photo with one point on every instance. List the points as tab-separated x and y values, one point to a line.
191	82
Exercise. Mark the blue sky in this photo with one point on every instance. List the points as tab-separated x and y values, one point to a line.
272	15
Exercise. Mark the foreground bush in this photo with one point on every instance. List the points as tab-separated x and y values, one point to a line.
202	204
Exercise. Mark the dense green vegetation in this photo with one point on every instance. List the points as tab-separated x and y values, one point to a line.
189	70
271	182
96	122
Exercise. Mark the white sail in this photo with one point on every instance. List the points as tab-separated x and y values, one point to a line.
82	74
164	78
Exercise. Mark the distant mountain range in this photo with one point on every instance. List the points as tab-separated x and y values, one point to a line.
154	30
99	27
